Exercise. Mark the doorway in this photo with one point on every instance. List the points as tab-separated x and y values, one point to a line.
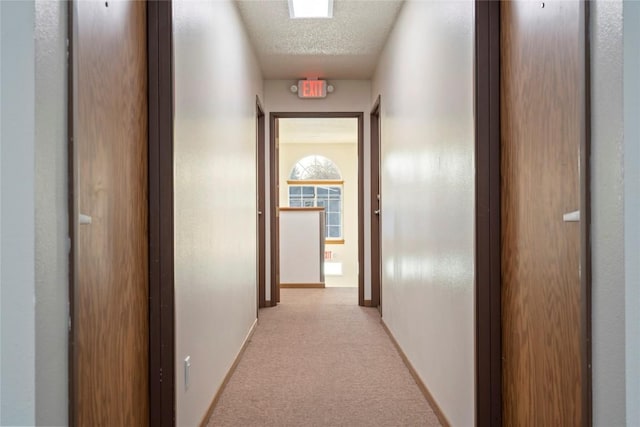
294	159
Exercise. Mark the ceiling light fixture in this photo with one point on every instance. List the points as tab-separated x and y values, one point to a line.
311	8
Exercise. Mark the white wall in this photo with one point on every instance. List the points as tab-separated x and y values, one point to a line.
425	78
345	156
608	283
216	81
51	216
34	284
631	12
349	96
17	313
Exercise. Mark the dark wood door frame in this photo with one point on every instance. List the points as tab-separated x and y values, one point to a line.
260	166
161	219
488	223
274	197
585	230
488	255
73	211
376	216
274	163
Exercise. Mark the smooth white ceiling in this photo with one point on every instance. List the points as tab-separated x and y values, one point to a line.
318	130
346	46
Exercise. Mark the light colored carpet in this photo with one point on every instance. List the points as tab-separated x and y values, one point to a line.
318	359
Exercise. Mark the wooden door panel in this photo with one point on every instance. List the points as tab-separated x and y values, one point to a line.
542	125
111	287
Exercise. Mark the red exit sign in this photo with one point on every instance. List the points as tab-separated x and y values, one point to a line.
312	89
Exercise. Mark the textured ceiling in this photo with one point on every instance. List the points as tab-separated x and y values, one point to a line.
318	130
346	46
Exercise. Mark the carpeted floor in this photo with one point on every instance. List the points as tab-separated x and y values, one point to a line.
320	360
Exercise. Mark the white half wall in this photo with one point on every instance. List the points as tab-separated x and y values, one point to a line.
426	81
607	208
217	79
17	290
300	246
349	96
631	15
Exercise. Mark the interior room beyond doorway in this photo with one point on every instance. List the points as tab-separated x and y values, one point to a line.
318	168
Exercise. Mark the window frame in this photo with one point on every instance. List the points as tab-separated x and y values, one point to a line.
322	183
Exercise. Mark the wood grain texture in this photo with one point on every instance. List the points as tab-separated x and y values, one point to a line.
111	291
542	125
302	285
308	209
334	242
315	182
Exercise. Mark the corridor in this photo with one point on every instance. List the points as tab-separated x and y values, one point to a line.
318	359
484	205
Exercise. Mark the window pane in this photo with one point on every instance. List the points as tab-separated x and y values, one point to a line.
322	196
335	191
295	191
333	219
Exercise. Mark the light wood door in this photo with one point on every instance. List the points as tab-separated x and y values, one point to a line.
110	324
542	126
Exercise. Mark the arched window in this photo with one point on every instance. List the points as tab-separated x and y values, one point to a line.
315	181
315	168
